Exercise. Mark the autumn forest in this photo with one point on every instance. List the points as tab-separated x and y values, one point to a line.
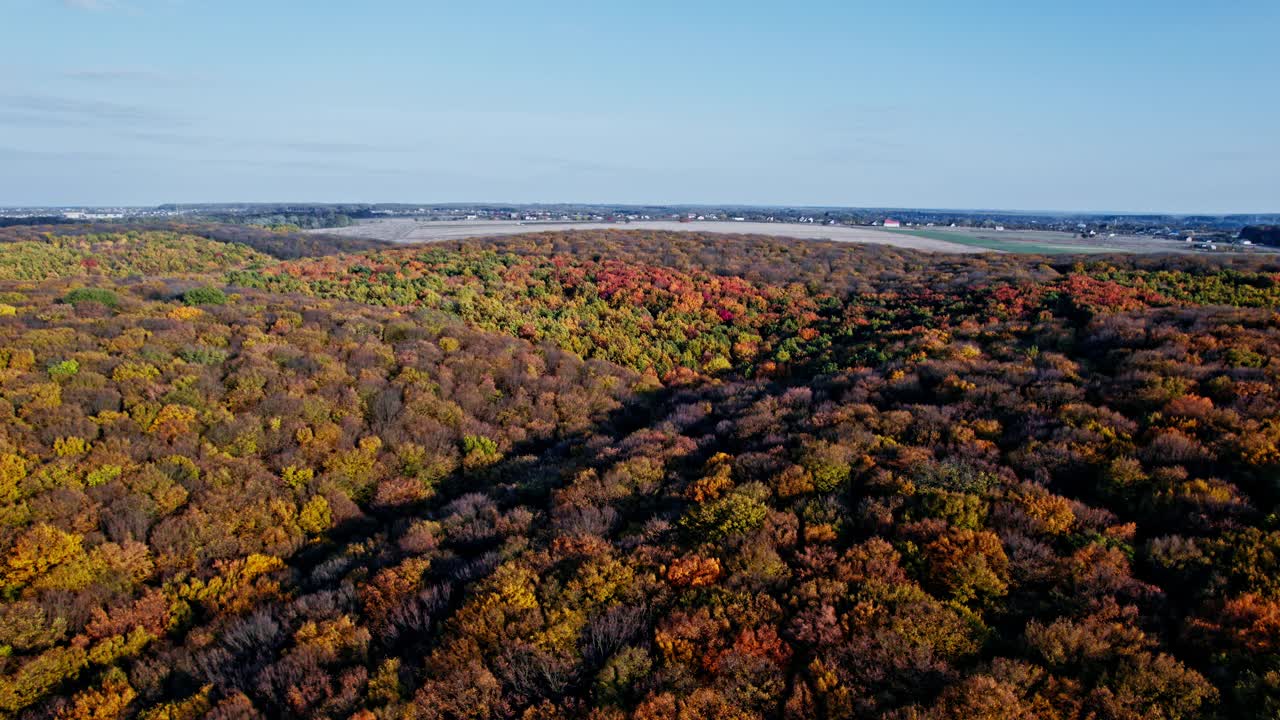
627	474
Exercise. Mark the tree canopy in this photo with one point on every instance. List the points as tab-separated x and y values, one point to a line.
637	475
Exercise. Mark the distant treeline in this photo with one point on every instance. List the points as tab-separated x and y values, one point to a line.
306	217
40	220
317	219
1262	234
285	245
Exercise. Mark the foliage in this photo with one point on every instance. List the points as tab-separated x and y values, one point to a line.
119	254
642	475
619	306
101	296
204	296
63	370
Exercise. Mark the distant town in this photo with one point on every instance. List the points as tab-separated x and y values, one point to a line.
1204	229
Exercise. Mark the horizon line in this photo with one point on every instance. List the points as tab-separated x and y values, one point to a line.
758	206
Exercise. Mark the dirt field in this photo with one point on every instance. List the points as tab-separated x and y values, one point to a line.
934	239
412	231
1046	241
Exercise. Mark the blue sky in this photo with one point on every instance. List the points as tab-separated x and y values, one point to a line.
1087	105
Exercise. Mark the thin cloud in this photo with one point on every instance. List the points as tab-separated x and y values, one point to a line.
118	75
91	5
24	153
63	111
9	118
168	138
102	6
326	147
304	147
336	168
